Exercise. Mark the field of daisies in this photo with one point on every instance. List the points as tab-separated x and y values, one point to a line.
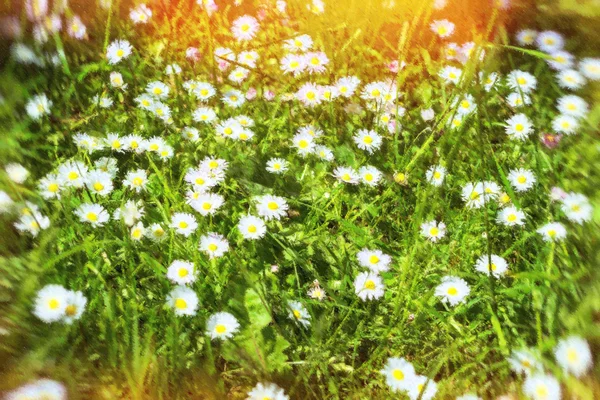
301	199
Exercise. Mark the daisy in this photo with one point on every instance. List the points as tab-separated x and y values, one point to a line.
248	58
215	166
38	106
466	105
433	230
561	60
315	62
435	175
50	186
156	232
456	121
181	272
183	300
572	105
157	89
50	303
427	114
130	212
271	207
204	91
309	94
173	69
490	81
16	172
233	98
141	14
161	110
214	244
518	127
277	165
244	28
185	224
204	114
323	152
6	202
526	37
269	391
222	325
93	214
251	227
375	260
137	232
200	179
541	386
494	264
99	182
300	43
346	175
521	81
298	313
450	74
573	355
136	180
398	373
577	207
117	51
230	128
549	41
422	388
511	216
590	68
190	133
452	290
525	361
516	100
293	64
565	124
443	28
207	203
521	179
33	222
368	286
346	86
552	231
304	142
370	175
87	142
367	140
570	79
238	75
75	28
75	303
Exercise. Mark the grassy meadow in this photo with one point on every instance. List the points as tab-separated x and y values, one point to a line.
299	199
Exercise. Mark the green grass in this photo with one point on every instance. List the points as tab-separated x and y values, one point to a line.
128	344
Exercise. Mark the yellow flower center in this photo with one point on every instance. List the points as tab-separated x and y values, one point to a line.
346	177
73	175
551	233
434	231
512	218
91	216
398	374
183	272
368	177
213	164
137	233
53	187
183	224
572	355
297	314
252	228
521	179
98	186
71	310
368	139
519	127
272	205
245	27
137	181
373	259
541	391
53	304
474	195
311	95
452	291
437	175
220	328
120	53
206	206
370	285
154	146
521	81
157	90
180	303
212	247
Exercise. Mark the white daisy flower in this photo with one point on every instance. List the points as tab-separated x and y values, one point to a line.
233	98
570	79
517	100
114	142
16	172
435	175
50	186
577	207
277	165
214	244
590	68
526	37
269	391
300	43
549	41
370	175
244	28
346	86
525	361
398	373
324	153
190	133
222	325
309	94
423	388
511	216
248	58
541	386
117	51
38	106
368	286
561	60
50	303
6	202
317	293
346	175
304	142
367	140
116	80
375	260
489	82
185	224
494	264
145	101
207	203
521	81
173	69
572	105
553	232
137	231
252	227
136	180
518	127
130	212
181	272
204	91
158	90
134	143
32	222
107	164
298	313
75	306
433	230
521	179
183	300
573	355
75	28
443	28
466	105
315	62
99	182
271	207
238	75
565	124
427	114
93	214
450	74
141	14
452	290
